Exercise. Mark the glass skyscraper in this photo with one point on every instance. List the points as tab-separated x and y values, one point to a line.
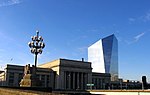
104	56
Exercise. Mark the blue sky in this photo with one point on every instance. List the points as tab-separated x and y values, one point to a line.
69	27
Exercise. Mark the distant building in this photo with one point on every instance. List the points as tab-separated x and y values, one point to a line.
101	80
2	78
58	74
104	56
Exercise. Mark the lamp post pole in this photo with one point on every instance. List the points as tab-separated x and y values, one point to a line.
36	45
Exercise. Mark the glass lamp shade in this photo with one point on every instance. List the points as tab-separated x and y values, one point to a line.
42	45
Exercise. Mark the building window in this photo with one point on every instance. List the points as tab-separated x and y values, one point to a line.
11	79
43	80
48	80
38	76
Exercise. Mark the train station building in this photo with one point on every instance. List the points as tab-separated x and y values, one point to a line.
58	74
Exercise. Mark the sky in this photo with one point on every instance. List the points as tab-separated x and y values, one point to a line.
69	27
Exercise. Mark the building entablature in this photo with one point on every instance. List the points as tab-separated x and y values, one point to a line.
67	64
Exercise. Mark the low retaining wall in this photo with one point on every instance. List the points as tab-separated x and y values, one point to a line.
120	92
15	91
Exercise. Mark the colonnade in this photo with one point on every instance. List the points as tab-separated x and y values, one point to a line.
75	80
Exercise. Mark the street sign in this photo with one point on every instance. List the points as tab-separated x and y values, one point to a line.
89	84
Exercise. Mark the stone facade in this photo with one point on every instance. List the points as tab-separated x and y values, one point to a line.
58	74
70	74
13	74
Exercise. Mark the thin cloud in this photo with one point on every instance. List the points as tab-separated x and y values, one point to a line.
92	30
143	18
146	17
82	49
77	39
9	2
132	20
135	38
139	36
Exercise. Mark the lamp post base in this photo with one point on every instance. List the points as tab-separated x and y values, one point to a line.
30	79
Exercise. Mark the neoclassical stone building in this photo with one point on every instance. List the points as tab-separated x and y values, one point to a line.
58	74
70	74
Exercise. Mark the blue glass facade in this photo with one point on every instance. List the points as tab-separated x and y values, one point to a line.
104	56
110	52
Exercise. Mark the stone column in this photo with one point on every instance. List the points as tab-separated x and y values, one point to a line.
45	80
78	85
89	78
65	79
86	80
61	80
101	83
57	85
69	77
81	80
40	77
48	81
51	80
73	80
98	86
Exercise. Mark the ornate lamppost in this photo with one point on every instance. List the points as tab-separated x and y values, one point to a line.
30	79
36	45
